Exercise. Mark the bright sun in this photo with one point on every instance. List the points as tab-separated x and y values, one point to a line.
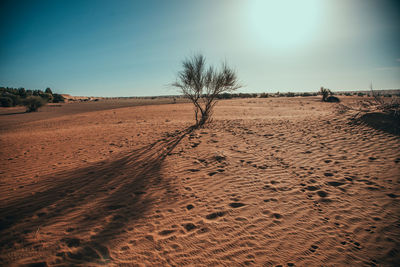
283	24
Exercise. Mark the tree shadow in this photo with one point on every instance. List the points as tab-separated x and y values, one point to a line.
102	199
13	113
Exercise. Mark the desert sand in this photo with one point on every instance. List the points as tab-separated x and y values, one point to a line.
275	181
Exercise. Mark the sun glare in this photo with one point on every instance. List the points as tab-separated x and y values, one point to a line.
283	24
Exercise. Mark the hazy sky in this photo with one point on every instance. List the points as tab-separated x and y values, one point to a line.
127	48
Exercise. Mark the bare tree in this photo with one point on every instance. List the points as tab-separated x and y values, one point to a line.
202	85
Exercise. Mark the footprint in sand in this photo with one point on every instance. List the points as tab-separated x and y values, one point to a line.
236	204
266	212
92	251
323	196
322	193
313	248
115	207
166	232
215	215
276	215
270	199
312	188
203	230
335	183
189	226
356	244
71	242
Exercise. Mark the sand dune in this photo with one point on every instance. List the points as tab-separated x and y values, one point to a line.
282	181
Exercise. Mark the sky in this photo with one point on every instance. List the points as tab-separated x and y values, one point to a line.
135	48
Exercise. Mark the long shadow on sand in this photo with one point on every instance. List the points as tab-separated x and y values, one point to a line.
382	122
13	113
103	200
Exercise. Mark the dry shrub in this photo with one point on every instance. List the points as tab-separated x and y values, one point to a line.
327	95
33	103
382	113
387	105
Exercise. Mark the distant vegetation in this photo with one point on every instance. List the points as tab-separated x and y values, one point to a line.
383	93
263	95
31	99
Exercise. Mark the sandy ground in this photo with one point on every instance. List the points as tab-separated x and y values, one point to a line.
283	181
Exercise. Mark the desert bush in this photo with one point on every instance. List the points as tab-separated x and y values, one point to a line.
202	85
225	96
29	92
6	101
305	94
390	107
327	95
246	95
22	92
16	100
48	91
290	94
360	94
57	98
47	97
33	103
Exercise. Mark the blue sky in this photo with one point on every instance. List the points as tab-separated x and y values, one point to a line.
135	48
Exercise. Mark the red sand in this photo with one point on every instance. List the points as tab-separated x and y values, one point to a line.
270	181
